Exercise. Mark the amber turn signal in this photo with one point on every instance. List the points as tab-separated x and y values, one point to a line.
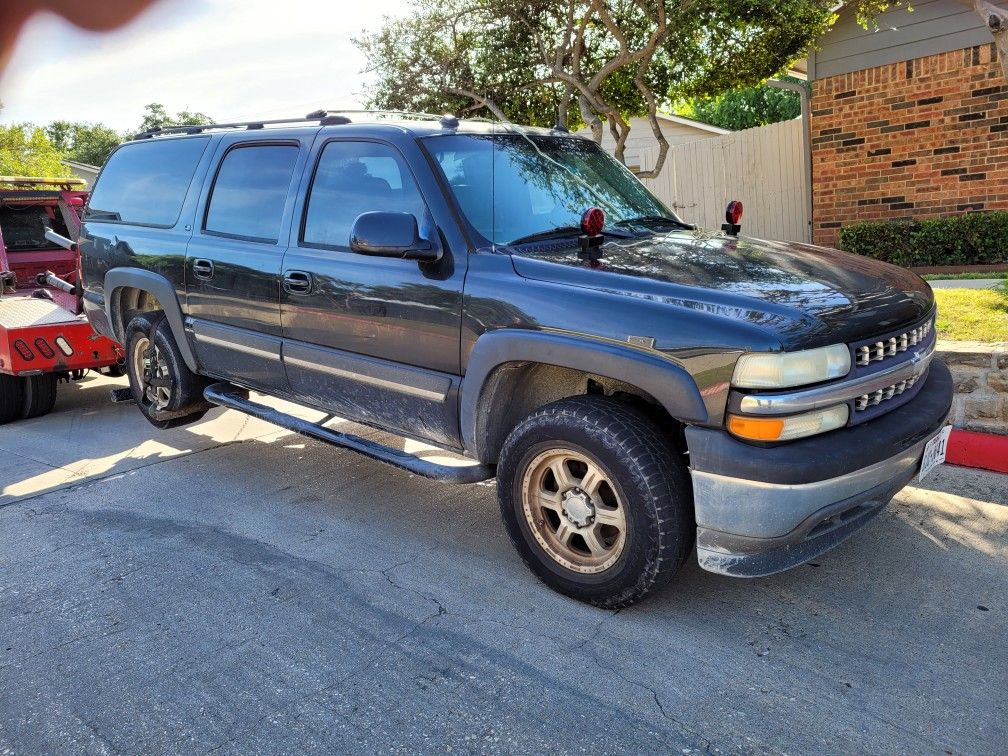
756	428
792	426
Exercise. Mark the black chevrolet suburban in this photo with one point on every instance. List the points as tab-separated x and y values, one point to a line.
635	384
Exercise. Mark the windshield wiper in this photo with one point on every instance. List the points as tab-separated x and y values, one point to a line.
653	219
561	231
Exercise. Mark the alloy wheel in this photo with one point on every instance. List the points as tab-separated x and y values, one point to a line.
574	510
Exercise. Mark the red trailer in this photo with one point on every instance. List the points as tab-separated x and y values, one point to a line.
44	338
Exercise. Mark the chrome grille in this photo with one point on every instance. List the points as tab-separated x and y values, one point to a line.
865	401
880	350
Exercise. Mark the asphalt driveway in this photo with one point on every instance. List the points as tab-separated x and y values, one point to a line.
232	588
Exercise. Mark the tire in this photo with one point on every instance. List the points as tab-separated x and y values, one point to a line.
173	394
39	395
630	527
11	397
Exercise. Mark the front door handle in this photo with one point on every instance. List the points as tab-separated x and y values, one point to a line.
202	268
297	282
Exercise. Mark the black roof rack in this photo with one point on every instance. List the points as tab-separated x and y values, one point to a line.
197	128
322	117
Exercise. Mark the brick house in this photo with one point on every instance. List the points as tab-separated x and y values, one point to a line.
910	121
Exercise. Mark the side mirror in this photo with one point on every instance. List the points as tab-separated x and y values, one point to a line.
383	234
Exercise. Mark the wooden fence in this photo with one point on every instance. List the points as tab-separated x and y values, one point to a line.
762	167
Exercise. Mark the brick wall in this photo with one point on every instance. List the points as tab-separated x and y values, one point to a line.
917	139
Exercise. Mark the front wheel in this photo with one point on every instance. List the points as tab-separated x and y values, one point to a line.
165	390
595	500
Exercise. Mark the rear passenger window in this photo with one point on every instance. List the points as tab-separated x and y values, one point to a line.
248	195
146	182
354	178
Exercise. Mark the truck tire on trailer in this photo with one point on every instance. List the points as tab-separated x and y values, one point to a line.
11	397
39	395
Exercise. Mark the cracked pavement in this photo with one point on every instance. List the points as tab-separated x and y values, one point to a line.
231	588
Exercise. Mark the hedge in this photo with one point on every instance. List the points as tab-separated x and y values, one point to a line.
970	239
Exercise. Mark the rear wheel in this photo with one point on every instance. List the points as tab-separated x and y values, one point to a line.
165	390
595	499
11	397
39	395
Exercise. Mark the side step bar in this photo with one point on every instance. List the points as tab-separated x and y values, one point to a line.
233	397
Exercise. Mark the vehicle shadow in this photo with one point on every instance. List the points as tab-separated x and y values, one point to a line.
87	437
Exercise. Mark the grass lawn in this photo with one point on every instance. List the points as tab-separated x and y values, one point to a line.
973	314
963	276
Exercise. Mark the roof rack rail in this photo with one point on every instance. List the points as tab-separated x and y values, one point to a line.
199	128
322	117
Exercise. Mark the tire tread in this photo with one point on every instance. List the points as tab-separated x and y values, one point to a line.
39	395
635	437
11	397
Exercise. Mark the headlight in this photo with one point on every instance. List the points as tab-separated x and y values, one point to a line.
784	369
787	428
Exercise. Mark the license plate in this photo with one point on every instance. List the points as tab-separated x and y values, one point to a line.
934	452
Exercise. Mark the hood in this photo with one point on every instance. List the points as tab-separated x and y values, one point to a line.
805	295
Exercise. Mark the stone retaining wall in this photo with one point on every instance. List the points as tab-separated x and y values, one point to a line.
981	384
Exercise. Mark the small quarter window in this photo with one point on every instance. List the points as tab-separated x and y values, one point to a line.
248	195
354	178
146	182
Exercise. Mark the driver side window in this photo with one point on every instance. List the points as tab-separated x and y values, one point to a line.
354	178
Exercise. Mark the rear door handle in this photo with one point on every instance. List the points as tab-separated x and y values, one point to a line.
202	268
297	282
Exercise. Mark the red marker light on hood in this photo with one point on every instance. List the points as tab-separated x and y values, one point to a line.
733	213
592	221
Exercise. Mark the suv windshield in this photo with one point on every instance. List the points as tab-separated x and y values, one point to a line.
539	184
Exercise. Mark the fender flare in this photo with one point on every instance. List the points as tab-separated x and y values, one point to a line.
159	286
666	381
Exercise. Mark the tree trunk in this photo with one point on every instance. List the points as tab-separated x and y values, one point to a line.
563	107
593	121
482	101
663	146
620	130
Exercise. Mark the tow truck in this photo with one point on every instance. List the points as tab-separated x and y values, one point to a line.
45	339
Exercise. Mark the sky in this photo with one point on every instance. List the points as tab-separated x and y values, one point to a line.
232	59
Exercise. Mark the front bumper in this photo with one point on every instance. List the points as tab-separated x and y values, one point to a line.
761	510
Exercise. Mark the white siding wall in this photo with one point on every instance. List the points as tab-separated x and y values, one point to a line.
641	137
762	167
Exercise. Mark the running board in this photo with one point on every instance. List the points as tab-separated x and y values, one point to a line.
233	397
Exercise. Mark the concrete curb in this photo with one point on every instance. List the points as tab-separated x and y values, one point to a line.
984	451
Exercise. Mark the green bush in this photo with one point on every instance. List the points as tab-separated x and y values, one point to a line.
969	239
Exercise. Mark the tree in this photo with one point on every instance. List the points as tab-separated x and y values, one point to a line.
745	108
156	117
25	150
536	61
89	143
